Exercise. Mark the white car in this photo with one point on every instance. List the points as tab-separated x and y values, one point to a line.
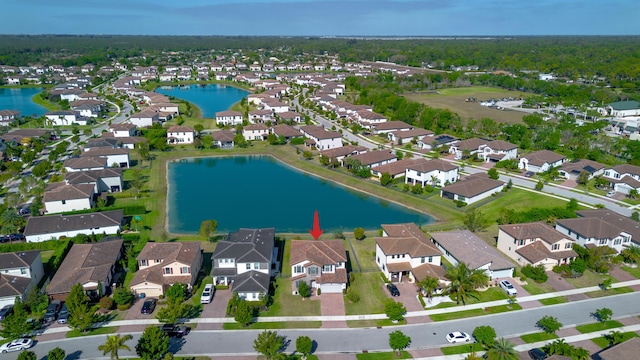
508	288
16	345
207	294
458	336
611	193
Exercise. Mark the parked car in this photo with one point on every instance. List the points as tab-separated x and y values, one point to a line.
175	330
537	354
207	294
17	237
52	311
529	174
63	315
393	290
5	238
508	288
25	210
148	306
6	310
611	193
458	336
16	345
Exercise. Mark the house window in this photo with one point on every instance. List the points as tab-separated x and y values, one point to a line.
602	242
313	270
64	202
23	271
617	241
327	268
567	245
256	266
522	242
430	259
248	266
555	247
143	262
184	270
422	260
378	259
298	269
168	271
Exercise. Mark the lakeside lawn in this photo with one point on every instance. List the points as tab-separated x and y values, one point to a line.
370	288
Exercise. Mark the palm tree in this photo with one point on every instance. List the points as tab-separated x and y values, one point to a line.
429	285
631	254
464	281
502	350
115	343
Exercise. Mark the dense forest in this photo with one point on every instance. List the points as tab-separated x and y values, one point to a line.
616	58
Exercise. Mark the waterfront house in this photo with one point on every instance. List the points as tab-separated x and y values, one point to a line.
472	188
431	172
180	135
229	117
43	228
319	263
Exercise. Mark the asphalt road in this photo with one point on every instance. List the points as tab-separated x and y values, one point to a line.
429	335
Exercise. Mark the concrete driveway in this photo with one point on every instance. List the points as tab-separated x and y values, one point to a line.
217	308
408	295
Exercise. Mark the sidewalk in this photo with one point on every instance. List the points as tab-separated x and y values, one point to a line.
361	317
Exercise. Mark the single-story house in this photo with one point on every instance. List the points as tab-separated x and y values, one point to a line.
374	158
573	169
43	228
223	139
472	188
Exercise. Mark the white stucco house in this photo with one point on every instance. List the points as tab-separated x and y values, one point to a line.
180	135
43	228
320	138
431	172
319	263
62	117
20	272
62	197
229	117
472	188
255	132
541	161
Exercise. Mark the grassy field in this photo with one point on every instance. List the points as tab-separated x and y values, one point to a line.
97	331
370	287
534	288
454	100
603	293
374	323
633	271
589	278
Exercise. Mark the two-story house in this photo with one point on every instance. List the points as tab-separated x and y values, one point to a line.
91	265
255	132
405	251
229	117
44	228
498	150
601	227
623	178
161	265
431	172
19	273
180	135
246	259
536	244
319	263
320	138
62	197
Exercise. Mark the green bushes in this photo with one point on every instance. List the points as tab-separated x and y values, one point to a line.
536	273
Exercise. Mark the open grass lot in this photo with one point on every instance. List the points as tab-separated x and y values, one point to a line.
603	293
598	326
370	287
461	349
287	304
553	300
274	325
539	336
475	312
589	278
454	100
604	343
365	251
384	356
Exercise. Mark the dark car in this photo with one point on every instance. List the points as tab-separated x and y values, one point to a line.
63	315
529	174
25	211
5	238
52	311
16	237
148	306
393	290
537	354
6	310
175	330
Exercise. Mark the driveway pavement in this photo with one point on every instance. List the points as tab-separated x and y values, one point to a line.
134	314
217	308
332	305
560	284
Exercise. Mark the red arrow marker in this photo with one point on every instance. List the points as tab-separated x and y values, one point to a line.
316	232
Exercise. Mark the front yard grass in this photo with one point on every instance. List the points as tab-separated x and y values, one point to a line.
534	288
553	300
604	343
383	356
539	336
598	326
589	278
274	325
287	304
96	331
369	286
475	312
633	271
462	349
614	291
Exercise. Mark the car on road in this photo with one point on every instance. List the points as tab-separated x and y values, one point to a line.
393	290
63	315
6	310
537	354
611	193
174	330
207	294
52	311
148	306
458	336
508	288
16	345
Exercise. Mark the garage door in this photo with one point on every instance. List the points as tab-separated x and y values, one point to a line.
331	288
148	291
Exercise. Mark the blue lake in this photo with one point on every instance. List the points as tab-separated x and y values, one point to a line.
20	99
210	98
260	191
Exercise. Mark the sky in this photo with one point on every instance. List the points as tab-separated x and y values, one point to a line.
322	17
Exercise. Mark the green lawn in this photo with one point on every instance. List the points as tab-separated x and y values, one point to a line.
533	288
370	287
518	200
98	331
461	349
633	271
372	323
589	278
540	336
383	356
475	312
598	326
553	300
604	343
287	304
365	251
603	293
274	325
